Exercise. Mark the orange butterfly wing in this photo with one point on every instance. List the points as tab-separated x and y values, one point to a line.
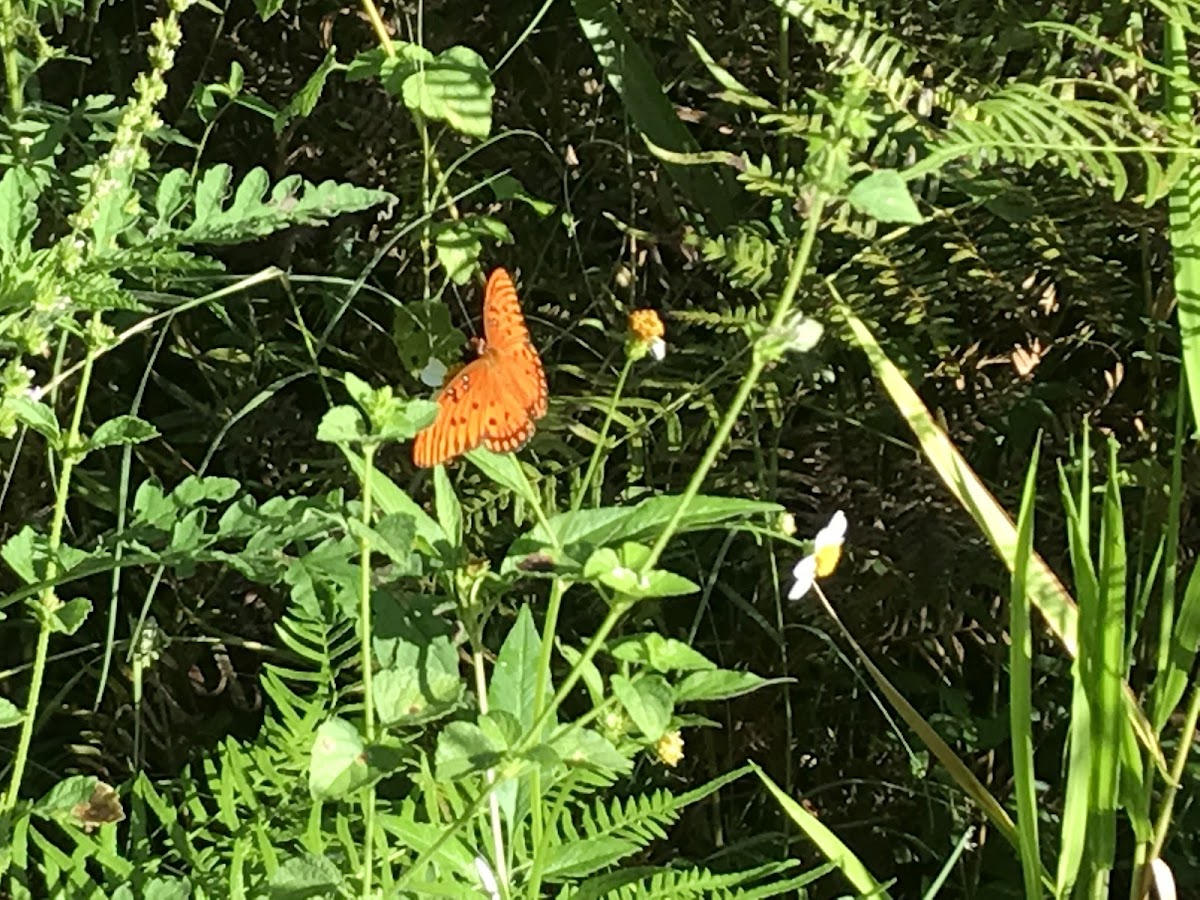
496	398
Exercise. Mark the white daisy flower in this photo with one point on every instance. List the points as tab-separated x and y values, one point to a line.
827	550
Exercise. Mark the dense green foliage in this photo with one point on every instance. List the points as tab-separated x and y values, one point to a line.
912	259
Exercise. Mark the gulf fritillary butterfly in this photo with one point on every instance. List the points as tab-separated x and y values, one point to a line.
495	399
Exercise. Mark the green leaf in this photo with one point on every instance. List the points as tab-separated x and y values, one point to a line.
648	701
619	571
18	211
462	748
583	531
36	415
579	858
883	195
252	213
303	877
419	677
338	763
167	888
454	87
60	801
506	187
447	507
584	747
505	470
720	684
342	425
305	100
9	714
393	501
122	431
659	653
513	679
459	243
197	489
71	615
24	555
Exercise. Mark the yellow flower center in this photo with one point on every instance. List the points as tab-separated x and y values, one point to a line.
646	325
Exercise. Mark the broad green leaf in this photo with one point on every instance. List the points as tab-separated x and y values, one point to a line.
505	470
419	679
342	425
392	500
515	674
659	653
619	570
22	553
122	431
338	762
460	242
649	702
18	211
71	615
9	714
36	415
1184	641
583	531
884	196
303	877
59	802
582	857
454	87
632	76
163	887
360	392
584	747
462	748
720	684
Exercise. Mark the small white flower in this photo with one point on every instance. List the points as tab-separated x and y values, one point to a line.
487	878
827	550
434	372
658	349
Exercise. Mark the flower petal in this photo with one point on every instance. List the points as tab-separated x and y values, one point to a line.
805	574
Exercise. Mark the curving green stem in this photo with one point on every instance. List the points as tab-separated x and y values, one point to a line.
758	362
48	602
594	462
368	663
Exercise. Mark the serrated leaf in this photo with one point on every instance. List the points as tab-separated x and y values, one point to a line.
121	431
18	211
71	615
884	196
60	800
342	425
515	674
292	201
454	87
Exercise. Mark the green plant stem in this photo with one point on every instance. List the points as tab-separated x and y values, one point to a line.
48	602
8	47
549	630
594	462
758	362
481	691
368	662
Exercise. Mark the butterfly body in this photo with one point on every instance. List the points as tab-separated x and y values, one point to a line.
495	399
